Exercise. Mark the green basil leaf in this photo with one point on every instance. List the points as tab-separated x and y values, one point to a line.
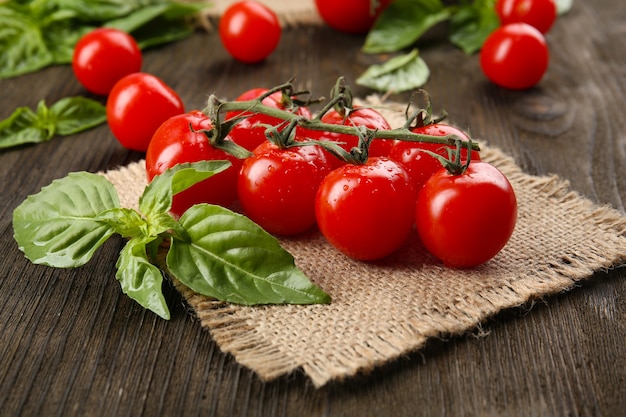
100	10
398	74
71	115
126	222
402	23
61	37
157	197
58	227
160	24
67	116
141	280
34	35
21	128
232	259
472	24
22	45
137	18
161	31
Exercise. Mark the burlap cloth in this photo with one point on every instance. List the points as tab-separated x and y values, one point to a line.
383	310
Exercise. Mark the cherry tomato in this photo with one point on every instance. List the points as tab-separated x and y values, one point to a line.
137	105
104	56
515	56
359	116
250	132
277	187
465	220
366	211
540	14
420	165
250	31
175	142
350	16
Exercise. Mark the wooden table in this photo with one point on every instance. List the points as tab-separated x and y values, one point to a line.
72	345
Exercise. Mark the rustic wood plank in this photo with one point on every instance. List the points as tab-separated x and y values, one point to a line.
71	344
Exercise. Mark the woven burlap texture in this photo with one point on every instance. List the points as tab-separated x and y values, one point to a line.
383	310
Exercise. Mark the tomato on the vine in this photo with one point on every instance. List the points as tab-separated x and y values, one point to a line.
515	56
277	187
249	30
137	105
540	14
419	164
358	116
350	16
104	56
465	219
179	140
250	132
366	211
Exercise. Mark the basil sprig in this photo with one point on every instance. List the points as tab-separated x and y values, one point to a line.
212	250
37	33
66	117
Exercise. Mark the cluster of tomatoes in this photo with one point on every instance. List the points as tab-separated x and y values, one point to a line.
516	55
365	210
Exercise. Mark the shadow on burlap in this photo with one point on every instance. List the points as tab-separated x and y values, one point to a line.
383	310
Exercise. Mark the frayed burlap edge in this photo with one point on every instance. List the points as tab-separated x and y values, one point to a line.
383	311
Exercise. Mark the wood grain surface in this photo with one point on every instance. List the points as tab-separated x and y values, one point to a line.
72	345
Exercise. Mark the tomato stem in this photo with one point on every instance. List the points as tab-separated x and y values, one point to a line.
341	100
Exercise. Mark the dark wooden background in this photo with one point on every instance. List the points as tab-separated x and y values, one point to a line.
72	345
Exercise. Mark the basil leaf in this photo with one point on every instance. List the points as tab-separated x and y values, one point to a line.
126	222
141	280
36	34
71	115
68	116
472	24
60	39
398	74
21	128
100	10
232	259
58	227
157	197
402	23
22	45
161	31
137	18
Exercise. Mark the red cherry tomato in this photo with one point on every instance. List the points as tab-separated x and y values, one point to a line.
250	31
420	165
515	56
366	211
465	220
104	56
359	116
137	105
277	187
350	16
540	14
175	143
250	132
